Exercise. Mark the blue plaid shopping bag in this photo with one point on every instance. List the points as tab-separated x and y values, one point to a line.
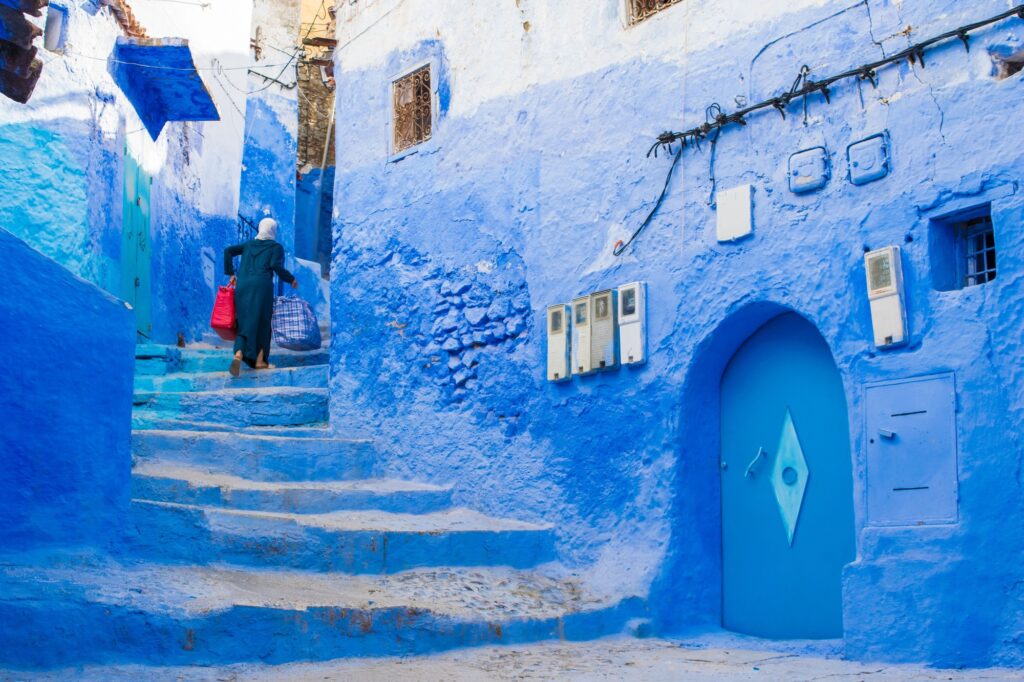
294	324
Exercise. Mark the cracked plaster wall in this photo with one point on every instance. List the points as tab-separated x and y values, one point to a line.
446	260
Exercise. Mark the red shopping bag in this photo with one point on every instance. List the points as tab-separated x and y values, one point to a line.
223	319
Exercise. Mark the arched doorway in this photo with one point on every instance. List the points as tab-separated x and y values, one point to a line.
787	485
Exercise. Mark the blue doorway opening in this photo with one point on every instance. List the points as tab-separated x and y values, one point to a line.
787	522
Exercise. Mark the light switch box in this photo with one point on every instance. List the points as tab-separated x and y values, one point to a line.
808	170
735	213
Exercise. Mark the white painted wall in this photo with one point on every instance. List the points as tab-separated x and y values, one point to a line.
218	35
497	49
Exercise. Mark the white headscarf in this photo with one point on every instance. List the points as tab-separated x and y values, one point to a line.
268	229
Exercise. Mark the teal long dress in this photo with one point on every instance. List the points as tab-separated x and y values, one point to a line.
254	293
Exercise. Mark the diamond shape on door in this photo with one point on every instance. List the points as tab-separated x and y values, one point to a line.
789	476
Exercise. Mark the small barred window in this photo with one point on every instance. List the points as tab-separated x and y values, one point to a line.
979	251
412	102
642	9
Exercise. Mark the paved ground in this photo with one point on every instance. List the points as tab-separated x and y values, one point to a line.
618	659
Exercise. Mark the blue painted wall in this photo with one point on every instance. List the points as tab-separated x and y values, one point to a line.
314	202
268	162
62	193
64	469
445	260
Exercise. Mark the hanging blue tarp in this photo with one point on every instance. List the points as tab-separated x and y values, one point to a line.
160	79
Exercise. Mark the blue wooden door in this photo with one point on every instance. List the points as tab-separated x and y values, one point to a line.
135	245
787	488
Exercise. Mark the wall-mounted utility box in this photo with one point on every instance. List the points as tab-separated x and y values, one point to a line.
809	170
868	159
735	213
558	343
604	332
580	345
633	323
884	269
912	451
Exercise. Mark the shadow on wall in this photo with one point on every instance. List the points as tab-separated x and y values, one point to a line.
65	402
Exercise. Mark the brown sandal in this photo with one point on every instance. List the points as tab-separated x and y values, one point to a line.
236	367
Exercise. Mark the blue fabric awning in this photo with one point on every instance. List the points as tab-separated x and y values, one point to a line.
160	79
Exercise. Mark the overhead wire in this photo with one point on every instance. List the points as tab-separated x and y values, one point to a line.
715	120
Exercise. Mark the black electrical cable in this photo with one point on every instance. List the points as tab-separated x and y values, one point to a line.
621	246
715	119
804	85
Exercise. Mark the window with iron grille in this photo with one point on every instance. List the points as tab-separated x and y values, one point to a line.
962	249
411	104
641	9
979	249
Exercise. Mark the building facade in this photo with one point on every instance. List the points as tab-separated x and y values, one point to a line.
783	463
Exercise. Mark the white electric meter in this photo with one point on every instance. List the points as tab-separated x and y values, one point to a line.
633	323
604	336
558	343
580	346
885	292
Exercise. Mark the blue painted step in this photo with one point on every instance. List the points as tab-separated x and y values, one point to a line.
152	359
136	612
242	407
350	541
258	456
144	421
170	482
217	360
312	376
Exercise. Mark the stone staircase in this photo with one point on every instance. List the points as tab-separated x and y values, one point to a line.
257	533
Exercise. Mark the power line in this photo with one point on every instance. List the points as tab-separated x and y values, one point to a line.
716	120
174	68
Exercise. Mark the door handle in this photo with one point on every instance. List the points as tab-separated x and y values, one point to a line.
757	458
886	433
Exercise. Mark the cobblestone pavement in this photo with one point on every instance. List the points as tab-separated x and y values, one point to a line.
619	659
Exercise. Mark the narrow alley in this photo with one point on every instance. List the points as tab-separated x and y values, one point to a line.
511	340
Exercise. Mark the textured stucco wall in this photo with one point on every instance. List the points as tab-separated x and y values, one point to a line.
272	120
445	260
62	161
64	469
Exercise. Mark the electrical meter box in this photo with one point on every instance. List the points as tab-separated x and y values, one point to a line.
868	159
558	343
884	270
912	451
633	323
580	345
808	170
604	336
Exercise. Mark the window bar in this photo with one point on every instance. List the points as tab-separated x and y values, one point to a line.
981	251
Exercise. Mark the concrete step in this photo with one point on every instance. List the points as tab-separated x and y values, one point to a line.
163	481
243	407
218	359
350	541
137	612
260	454
312	376
145	421
154	360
